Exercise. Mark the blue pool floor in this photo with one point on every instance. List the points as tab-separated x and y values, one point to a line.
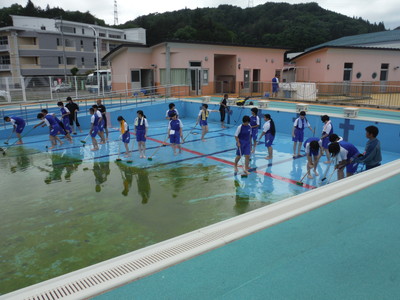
280	173
347	249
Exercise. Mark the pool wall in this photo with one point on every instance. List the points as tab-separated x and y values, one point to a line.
351	129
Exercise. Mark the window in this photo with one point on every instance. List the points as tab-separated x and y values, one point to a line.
69	43
114	36
58	42
195	63
384	72
83	30
347	73
102	34
3	40
103	46
81	43
5	60
43	27
60	60
71	61
205	77
358	75
178	76
135	76
83	61
68	29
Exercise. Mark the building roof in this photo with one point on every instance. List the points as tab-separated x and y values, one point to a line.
117	49
382	39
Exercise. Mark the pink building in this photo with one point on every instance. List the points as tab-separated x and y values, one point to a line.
206	67
371	57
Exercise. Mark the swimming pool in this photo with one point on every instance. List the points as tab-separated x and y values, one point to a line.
71	208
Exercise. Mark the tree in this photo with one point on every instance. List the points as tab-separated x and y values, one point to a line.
74	71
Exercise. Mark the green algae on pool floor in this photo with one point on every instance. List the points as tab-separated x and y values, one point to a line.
59	214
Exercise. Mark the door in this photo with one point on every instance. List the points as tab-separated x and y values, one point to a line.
195	81
256	80
136	80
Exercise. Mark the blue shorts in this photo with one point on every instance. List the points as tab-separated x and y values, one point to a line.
65	121
203	123
254	133
245	148
55	129
269	138
275	88
140	135
298	135
352	167
94	131
20	128
126	137
174	138
101	126
325	142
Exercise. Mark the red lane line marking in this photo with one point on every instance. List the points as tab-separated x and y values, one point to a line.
288	180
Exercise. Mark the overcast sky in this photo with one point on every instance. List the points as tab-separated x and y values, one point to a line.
372	10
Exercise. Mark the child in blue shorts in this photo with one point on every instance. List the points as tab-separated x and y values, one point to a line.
312	147
346	155
243	142
94	128
254	123
327	130
175	133
141	126
269	132
298	132
125	135
170	111
18	126
202	119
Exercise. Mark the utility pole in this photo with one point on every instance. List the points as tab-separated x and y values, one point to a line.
97	58
115	13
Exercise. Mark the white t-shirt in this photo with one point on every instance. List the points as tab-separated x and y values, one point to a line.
266	126
136	123
300	123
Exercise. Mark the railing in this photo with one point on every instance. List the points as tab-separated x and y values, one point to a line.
115	100
346	93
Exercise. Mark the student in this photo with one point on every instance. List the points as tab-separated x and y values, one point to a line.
18	126
298	132
243	142
51	121
269	132
175	133
102	110
170	111
65	116
372	156
346	154
275	86
223	107
327	130
254	123
73	116
335	138
313	149
94	128
125	135
100	124
202	119
141	126
60	124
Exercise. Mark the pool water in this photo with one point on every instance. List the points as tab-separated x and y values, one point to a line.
68	208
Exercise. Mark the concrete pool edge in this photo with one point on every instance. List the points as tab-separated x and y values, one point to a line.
118	271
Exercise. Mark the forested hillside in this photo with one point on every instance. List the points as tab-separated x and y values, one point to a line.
295	26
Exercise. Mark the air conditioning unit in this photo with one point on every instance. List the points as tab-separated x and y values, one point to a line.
301	107
206	98
350	112
263	104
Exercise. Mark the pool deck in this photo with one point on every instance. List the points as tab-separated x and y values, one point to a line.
347	249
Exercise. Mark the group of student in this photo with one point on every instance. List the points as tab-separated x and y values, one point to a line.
246	135
342	153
